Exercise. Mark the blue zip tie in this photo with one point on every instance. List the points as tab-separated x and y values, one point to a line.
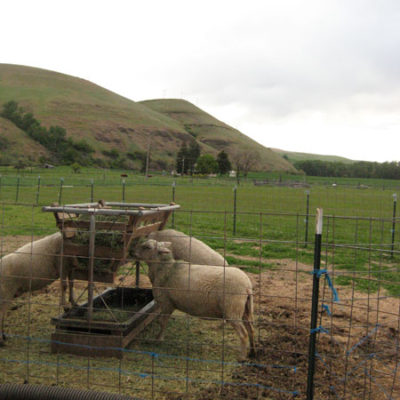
319	329
334	291
325	272
326	308
319	272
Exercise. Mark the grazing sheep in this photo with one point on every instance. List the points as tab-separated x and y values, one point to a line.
200	290
31	267
188	248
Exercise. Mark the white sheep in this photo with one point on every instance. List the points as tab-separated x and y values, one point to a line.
200	290
188	248
29	268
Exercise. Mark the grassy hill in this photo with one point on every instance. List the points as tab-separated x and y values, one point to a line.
297	156
108	121
215	135
17	145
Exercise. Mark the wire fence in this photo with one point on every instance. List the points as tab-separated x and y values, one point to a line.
356	307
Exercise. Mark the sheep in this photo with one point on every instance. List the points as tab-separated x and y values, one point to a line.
29	268
188	248
204	291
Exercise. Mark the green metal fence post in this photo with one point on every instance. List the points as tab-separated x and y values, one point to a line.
91	190
61	190
173	200
38	191
394	223
307	214
17	190
234	208
314	305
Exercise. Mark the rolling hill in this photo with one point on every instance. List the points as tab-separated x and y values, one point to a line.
294	156
109	121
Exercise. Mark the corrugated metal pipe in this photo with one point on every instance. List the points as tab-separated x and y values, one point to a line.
13	391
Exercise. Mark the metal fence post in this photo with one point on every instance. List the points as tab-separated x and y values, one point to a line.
123	190
91	190
307	214
61	189
234	208
173	200
38	191
17	190
314	305
394	222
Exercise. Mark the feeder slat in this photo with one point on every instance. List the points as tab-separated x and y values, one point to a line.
145	230
72	249
100	225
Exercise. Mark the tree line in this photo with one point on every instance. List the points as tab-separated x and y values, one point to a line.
358	169
189	161
63	150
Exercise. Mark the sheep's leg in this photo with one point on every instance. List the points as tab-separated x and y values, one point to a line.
250	331
64	290
3	310
163	321
71	290
242	333
248	323
75	265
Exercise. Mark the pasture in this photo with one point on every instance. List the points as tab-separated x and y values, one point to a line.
267	232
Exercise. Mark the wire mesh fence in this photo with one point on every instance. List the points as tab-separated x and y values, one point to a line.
270	237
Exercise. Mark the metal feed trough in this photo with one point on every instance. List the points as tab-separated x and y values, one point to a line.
90	231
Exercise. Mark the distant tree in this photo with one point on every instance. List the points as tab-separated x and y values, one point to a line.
207	164
224	164
243	161
76	168
12	112
187	157
113	153
19	164
181	160
193	153
28	121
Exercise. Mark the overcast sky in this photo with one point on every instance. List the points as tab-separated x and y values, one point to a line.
317	76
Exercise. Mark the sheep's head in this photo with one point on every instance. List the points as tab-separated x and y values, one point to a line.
151	250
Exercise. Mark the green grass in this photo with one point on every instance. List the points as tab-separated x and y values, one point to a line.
272	217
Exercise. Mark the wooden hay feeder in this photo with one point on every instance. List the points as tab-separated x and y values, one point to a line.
119	315
98	261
